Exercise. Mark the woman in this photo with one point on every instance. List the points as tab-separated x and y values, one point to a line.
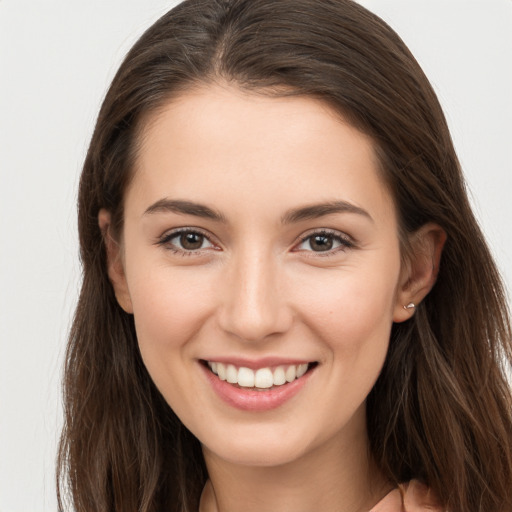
287	303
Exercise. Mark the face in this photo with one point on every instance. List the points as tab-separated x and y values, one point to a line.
260	258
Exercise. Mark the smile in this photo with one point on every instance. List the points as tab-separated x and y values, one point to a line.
260	379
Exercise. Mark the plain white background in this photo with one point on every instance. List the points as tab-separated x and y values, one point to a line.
56	60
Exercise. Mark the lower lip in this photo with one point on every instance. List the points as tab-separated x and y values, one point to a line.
250	400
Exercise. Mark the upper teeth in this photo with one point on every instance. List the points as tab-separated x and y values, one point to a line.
261	378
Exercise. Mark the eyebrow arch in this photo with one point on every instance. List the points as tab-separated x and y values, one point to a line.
185	208
319	210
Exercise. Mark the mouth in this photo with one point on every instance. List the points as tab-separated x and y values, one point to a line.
260	379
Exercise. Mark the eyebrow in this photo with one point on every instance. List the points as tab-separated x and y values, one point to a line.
292	216
320	210
185	208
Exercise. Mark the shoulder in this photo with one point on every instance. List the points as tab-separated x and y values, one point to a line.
412	496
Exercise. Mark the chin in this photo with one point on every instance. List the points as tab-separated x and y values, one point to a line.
255	456
263	446
258	450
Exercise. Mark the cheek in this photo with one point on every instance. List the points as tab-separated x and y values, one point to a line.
354	324
169	307
351	310
352	299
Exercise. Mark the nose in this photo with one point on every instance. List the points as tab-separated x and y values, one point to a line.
253	303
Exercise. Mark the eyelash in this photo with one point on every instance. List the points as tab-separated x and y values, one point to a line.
343	240
165	241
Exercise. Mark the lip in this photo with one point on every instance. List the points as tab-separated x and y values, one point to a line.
249	399
256	364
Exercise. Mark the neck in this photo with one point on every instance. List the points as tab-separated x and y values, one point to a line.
337	476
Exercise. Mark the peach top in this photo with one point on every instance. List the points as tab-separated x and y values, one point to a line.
410	497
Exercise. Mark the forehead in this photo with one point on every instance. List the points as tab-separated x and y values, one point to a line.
224	144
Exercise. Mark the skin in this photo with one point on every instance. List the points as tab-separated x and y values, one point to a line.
257	287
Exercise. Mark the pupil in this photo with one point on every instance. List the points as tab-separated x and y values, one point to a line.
321	243
191	241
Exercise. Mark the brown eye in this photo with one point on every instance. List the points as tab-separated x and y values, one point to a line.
325	241
191	241
321	242
185	241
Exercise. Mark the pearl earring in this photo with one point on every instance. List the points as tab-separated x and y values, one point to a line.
411	305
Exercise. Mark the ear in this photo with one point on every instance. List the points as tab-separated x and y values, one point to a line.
419	272
115	267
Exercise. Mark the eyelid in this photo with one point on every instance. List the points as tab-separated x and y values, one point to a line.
168	235
347	242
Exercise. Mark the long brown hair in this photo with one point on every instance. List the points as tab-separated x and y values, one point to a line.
441	410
